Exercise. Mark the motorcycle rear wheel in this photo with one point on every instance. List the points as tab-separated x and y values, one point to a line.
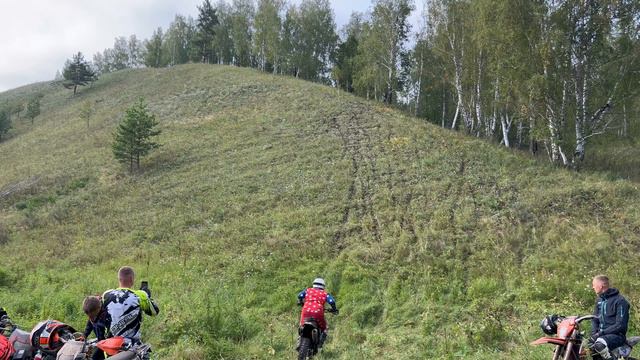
304	352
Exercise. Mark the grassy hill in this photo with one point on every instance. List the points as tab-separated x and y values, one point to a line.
435	245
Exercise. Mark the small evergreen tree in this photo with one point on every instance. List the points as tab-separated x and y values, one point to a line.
5	122
133	136
33	108
77	72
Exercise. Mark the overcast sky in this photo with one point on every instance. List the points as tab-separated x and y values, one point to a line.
37	36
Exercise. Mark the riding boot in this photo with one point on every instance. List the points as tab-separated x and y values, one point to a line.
323	337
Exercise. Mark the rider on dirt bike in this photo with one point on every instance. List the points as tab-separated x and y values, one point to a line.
313	300
609	327
125	306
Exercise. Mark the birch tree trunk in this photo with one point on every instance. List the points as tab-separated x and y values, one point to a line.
478	97
460	109
506	127
419	85
490	126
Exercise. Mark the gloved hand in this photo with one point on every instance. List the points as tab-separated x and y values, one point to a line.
144	287
336	311
594	337
3	312
300	302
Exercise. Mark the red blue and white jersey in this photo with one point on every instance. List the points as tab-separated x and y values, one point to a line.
314	300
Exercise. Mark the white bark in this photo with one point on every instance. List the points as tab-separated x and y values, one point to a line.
478	99
419	85
506	121
490	126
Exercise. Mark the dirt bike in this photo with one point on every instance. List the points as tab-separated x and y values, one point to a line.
310	337
43	343
18	340
569	341
118	348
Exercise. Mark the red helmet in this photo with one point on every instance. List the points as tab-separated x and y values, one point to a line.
47	336
6	349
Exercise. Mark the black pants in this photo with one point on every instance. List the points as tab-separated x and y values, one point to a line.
98	355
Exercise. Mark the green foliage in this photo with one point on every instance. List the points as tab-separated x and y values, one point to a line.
77	72
132	139
241	18
154	50
266	40
178	45
206	31
5	122
5	281
309	39
33	107
35	202
86	111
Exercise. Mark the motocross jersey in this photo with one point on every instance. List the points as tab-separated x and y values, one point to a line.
124	309
314	300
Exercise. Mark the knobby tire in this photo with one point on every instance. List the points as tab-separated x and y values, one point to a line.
304	352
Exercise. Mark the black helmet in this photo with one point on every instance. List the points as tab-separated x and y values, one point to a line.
549	324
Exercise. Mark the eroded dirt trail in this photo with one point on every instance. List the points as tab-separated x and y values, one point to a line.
364	143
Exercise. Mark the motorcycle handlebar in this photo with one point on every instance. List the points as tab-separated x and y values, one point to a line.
585	317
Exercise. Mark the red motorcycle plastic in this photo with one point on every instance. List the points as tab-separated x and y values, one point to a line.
568	342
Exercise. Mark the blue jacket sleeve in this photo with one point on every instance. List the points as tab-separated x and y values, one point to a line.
331	301
622	320
88	329
301	296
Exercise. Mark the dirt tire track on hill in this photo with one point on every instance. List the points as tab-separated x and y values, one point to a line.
398	185
358	145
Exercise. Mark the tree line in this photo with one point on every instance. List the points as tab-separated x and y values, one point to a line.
546	75
542	75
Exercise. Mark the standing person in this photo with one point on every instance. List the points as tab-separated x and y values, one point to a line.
313	300
125	306
609	327
97	322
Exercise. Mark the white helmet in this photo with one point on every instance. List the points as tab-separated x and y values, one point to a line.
319	283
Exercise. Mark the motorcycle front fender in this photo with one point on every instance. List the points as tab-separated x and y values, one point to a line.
549	340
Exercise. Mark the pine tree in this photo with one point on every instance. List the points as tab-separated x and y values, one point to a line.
206	31
77	72
132	139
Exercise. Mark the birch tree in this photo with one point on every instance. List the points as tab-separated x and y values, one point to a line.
389	32
267	34
242	13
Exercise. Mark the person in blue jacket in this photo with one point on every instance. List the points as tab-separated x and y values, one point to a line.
609	327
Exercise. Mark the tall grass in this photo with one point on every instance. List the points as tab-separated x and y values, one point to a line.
435	245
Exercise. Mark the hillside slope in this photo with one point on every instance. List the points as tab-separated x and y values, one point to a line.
435	245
